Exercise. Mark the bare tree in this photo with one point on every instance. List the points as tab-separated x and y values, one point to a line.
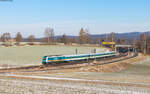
112	37
49	34
64	39
6	38
123	41
87	36
143	39
31	39
81	36
118	41
84	36
18	38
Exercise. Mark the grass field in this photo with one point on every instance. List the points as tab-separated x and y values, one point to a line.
26	55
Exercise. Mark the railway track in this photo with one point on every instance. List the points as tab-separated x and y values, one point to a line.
72	65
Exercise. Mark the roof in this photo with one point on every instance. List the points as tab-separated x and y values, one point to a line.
123	46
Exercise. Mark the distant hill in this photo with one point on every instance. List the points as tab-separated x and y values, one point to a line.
128	36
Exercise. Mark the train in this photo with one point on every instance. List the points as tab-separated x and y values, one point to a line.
78	57
125	50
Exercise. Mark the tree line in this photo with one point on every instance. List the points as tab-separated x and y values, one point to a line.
49	38
84	37
143	43
8	40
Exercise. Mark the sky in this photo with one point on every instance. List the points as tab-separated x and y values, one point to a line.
31	17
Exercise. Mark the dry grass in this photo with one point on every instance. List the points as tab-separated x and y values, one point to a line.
114	67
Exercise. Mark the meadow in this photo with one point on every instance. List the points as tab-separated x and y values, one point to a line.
32	55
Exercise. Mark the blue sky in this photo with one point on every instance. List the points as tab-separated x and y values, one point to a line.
68	16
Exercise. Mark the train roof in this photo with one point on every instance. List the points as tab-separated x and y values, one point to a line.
77	54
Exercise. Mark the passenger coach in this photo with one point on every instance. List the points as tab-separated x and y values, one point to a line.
79	57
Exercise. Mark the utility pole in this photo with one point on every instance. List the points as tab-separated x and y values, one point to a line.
76	51
145	46
106	37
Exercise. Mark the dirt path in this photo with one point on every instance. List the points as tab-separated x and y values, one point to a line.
80	80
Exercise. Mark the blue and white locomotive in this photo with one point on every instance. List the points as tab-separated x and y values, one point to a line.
79	57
